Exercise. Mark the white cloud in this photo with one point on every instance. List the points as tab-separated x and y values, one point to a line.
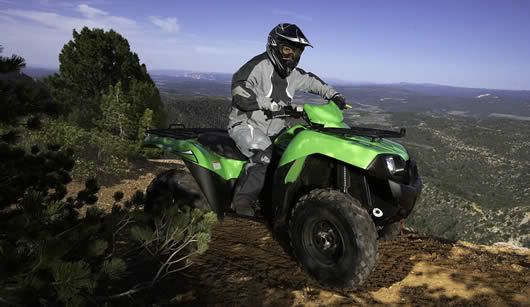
62	22
167	24
47	19
292	15
39	36
90	12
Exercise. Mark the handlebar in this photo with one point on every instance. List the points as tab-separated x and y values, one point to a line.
286	111
291	111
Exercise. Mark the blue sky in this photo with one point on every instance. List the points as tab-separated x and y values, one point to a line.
464	43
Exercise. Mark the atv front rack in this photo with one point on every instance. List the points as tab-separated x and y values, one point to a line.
361	131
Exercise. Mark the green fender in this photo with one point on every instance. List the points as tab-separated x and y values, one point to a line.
193	151
357	151
327	114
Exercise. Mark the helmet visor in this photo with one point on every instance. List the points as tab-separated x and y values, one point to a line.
291	54
290	51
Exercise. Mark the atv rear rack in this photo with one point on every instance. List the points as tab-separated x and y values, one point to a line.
179	131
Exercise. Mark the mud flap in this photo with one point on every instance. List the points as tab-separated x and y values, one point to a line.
218	192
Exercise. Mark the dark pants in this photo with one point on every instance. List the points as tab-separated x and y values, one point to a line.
250	183
257	146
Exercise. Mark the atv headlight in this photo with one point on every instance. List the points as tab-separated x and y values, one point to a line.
388	166
394	167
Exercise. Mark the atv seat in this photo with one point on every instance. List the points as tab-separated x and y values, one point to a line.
222	144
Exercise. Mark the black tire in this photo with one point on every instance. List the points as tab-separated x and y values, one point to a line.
334	238
389	232
166	190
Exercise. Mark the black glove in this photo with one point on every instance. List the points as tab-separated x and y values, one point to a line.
339	100
276	111
273	110
275	106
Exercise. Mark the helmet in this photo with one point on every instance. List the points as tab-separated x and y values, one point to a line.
285	45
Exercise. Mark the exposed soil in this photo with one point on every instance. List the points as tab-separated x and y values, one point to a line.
246	266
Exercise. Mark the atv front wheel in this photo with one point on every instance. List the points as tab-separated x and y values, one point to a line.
334	238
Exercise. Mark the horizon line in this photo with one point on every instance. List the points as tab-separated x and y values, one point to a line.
335	78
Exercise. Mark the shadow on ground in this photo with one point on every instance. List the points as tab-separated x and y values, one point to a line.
245	266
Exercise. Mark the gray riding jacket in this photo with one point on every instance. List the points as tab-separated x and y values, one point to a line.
256	84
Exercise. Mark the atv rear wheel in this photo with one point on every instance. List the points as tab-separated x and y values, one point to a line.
333	238
167	190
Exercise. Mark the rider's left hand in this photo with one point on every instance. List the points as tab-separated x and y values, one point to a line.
275	106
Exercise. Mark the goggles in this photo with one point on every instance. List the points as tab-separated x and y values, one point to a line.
290	51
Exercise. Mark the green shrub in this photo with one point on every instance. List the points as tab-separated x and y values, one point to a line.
67	250
96	152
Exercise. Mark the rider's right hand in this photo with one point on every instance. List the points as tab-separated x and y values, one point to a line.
340	101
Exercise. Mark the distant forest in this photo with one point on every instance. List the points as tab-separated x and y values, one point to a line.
197	111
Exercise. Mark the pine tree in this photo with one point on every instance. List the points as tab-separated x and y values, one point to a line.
145	123
117	115
13	64
128	113
20	94
90	63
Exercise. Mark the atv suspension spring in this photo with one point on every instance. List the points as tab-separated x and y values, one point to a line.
343	178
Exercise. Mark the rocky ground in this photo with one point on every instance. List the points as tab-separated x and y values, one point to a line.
246	266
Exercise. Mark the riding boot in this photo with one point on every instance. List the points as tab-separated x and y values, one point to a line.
250	184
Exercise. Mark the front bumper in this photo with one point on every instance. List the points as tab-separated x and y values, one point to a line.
402	199
405	195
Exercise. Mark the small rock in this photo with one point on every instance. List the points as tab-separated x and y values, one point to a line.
184	297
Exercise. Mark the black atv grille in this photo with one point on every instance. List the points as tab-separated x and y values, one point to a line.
412	171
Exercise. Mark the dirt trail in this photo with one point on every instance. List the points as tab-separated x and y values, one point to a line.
246	266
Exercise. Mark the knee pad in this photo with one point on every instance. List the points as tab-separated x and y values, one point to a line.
249	140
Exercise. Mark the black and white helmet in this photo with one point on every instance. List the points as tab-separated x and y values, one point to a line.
285	45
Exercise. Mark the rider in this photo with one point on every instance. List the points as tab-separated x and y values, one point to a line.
268	83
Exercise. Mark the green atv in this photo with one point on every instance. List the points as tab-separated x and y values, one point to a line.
331	189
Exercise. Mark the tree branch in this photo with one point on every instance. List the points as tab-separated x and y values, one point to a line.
170	258
137	288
